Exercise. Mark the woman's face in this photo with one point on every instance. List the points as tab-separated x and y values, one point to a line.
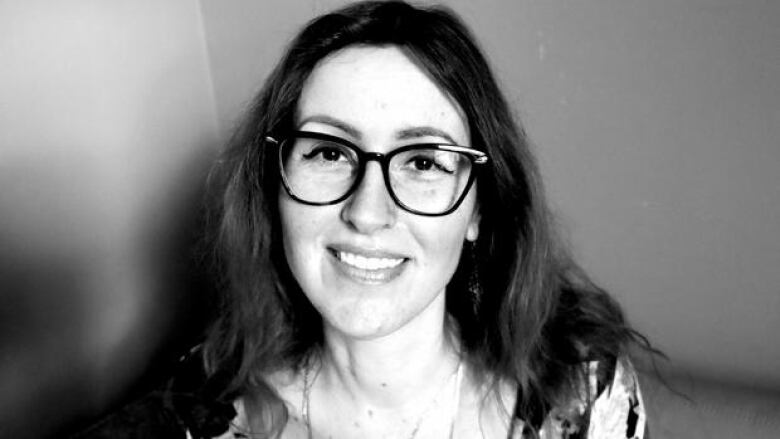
368	266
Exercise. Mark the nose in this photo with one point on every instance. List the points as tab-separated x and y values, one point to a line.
370	208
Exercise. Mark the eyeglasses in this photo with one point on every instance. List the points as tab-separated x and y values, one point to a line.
428	179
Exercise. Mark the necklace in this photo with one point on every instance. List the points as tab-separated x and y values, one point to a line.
456	378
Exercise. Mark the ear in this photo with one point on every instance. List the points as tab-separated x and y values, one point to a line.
472	230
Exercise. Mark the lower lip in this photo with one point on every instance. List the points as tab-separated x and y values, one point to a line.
368	277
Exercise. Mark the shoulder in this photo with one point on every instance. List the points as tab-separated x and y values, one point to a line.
619	410
610	405
187	404
146	417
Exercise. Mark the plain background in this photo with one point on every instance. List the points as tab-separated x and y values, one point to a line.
656	125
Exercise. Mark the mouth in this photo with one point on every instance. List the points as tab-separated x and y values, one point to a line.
367	262
371	267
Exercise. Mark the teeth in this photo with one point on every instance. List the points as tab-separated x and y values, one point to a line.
365	263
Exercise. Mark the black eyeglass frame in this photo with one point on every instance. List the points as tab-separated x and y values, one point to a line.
475	156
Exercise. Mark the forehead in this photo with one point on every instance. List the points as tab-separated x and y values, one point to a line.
379	91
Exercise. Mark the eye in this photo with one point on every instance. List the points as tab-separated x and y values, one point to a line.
429	162
327	152
422	163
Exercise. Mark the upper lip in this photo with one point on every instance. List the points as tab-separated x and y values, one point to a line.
368	252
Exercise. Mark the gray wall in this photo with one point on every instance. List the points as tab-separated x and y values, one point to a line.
107	122
657	126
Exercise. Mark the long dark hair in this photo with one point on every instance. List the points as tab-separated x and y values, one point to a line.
537	318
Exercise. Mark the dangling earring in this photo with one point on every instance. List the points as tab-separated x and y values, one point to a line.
475	288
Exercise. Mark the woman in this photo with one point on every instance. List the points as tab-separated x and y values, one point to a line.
390	260
374	283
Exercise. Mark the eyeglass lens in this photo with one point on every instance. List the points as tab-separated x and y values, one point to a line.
424	179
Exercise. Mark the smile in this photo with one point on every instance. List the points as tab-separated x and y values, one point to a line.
369	267
368	263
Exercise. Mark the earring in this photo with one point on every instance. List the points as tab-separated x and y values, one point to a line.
475	288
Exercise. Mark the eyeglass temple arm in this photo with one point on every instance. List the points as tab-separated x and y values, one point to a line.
480	158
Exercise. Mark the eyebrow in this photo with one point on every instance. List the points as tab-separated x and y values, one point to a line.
424	131
332	121
404	134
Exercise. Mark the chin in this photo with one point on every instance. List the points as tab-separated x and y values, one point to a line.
364	324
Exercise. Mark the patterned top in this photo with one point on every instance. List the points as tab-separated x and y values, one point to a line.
189	407
618	412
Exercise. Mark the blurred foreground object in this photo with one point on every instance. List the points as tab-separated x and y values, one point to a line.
107	127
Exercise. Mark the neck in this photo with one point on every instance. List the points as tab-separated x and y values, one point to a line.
391	371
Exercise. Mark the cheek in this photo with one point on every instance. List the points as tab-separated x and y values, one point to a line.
448	253
442	245
448	236
299	236
444	242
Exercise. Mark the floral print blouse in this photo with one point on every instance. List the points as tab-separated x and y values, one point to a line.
189	409
617	412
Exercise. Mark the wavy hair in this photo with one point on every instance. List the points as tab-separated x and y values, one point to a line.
539	317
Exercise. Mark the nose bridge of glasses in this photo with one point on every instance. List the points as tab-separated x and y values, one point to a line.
374	156
381	160
371	205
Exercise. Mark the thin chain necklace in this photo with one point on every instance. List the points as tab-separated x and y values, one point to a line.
456	378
